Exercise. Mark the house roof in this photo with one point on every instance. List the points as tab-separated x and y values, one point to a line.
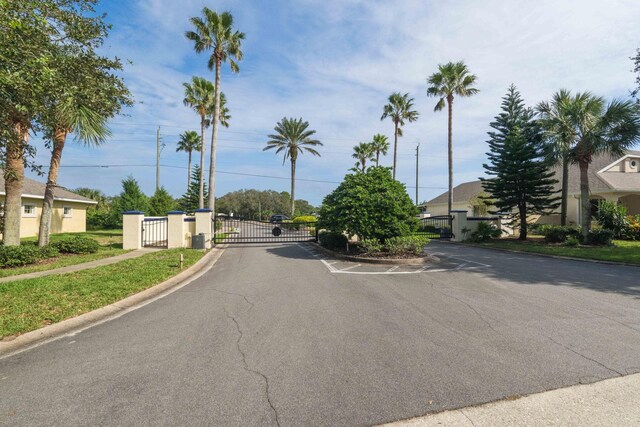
35	189
598	181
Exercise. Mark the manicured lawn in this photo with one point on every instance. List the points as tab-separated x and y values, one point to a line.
622	251
26	305
110	241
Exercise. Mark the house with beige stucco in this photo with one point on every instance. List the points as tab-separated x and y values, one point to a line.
614	178
69	209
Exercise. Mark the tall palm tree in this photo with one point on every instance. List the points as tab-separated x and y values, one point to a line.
224	116
199	95
600	128
90	127
399	109
380	145
452	79
561	136
293	137
363	152
188	143
214	32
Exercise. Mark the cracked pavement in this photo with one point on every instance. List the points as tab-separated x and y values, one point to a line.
269	336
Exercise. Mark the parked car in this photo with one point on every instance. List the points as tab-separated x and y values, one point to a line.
278	218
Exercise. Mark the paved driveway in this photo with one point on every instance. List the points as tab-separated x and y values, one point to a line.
273	336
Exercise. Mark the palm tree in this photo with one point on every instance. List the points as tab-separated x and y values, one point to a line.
561	136
380	145
451	79
215	32
188	143
363	152
199	95
224	116
293	137
600	128
399	109
90	127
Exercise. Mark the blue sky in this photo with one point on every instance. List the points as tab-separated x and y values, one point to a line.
334	63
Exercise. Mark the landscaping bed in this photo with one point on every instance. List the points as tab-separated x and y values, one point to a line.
109	244
30	304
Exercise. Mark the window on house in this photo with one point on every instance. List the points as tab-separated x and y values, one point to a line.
29	210
66	212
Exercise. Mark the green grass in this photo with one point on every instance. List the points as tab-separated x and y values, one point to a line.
622	251
110	241
26	305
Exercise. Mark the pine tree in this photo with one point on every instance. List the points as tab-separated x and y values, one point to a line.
190	200
161	202
521	178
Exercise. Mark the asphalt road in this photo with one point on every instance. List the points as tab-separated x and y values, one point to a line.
273	336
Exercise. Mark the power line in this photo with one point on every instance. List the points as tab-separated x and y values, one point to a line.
222	172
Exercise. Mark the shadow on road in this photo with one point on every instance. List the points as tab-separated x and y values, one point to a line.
531	269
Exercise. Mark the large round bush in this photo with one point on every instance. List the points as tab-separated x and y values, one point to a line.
370	205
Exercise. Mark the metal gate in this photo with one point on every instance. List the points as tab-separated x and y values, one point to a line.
155	232
240	230
436	227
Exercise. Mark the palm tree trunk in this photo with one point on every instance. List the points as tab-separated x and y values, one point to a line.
450	152
201	192
395	149
59	140
189	171
565	190
214	140
13	183
585	203
293	187
377	158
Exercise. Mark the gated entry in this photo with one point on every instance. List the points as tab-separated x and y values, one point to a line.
436	227
240	230
155	232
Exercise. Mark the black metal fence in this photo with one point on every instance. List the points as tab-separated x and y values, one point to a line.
240	230
155	232
436	227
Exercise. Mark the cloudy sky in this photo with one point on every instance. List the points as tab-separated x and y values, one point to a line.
334	63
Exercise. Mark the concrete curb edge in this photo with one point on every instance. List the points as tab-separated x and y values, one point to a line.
92	318
405	261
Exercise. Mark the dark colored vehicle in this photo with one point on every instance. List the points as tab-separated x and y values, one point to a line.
278	218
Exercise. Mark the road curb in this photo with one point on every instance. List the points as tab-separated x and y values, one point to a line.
113	310
406	261
513	251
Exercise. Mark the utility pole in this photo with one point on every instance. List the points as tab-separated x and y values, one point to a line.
417	160
158	159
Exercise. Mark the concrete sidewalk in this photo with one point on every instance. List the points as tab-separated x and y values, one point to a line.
78	267
612	402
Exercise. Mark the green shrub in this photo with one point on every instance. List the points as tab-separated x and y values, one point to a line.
16	256
558	233
612	216
371	246
485	232
406	245
369	205
76	245
600	237
332	240
572	241
305	218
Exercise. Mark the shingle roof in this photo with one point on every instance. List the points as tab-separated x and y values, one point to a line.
605	181
36	189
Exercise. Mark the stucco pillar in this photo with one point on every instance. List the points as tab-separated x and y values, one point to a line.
203	225
175	229
459	222
132	229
